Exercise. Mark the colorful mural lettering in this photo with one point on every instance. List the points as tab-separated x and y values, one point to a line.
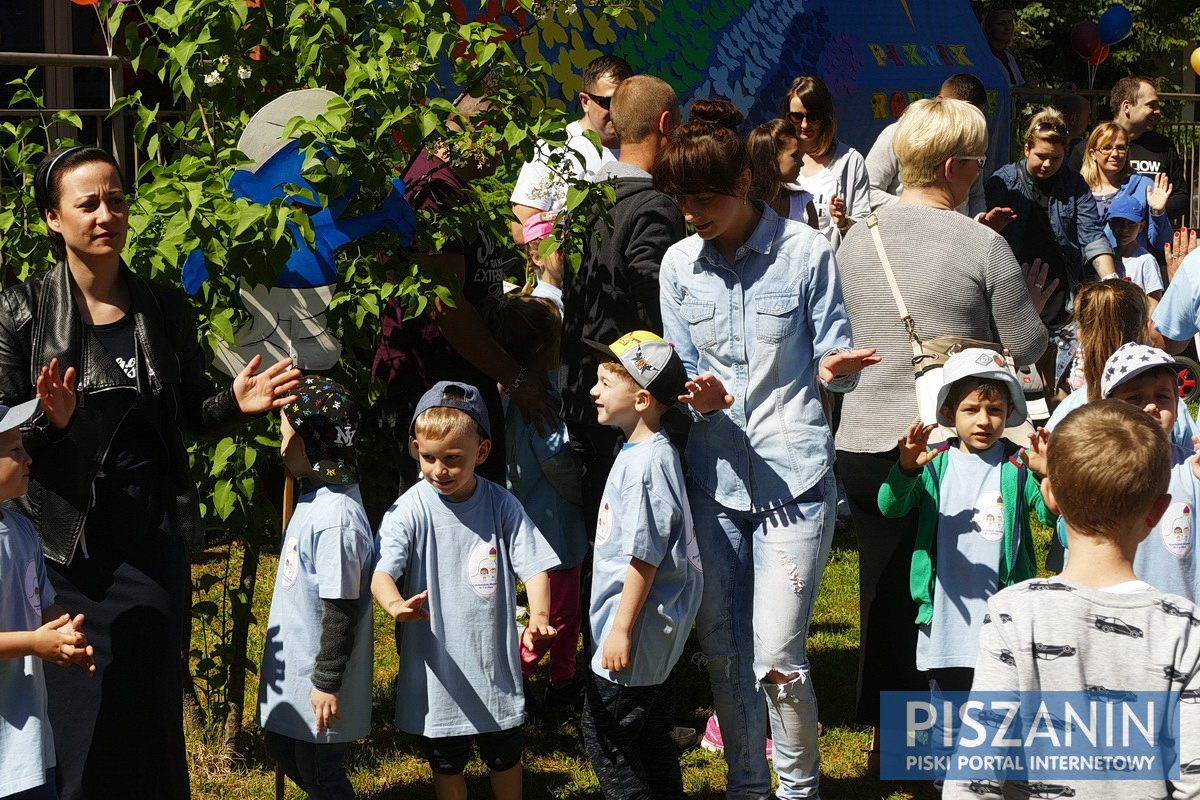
876	57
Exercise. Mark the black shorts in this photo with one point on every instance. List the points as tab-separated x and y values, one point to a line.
499	750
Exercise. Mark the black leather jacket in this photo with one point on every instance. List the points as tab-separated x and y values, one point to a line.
39	320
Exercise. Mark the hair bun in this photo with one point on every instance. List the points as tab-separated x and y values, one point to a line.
716	111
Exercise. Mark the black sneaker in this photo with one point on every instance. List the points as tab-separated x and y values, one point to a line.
533	709
568	694
685	738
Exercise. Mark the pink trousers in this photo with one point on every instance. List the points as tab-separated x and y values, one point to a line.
565	618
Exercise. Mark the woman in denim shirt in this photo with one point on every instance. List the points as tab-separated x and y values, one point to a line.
1038	184
753	306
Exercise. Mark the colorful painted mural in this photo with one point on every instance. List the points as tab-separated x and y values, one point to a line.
876	56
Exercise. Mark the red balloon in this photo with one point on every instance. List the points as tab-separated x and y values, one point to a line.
1085	38
86	2
1098	55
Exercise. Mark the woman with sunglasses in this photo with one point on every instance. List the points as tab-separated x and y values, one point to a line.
753	306
1108	174
117	364
833	172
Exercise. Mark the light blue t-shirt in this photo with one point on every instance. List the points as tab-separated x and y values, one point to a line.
644	514
1177	315
544	474
460	670
26	742
1181	434
969	537
327	554
1166	559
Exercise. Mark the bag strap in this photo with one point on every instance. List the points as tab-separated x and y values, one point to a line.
905	317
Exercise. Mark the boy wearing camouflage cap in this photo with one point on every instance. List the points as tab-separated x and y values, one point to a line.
315	683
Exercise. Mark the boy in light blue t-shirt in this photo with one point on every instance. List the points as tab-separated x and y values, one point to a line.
646	576
450	551
315	683
32	629
1148	378
972	497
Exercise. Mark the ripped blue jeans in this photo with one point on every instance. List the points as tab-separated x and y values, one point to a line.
762	571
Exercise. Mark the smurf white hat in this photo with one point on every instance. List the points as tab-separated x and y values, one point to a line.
979	362
15	416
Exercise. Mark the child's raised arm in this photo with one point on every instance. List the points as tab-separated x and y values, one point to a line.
617	650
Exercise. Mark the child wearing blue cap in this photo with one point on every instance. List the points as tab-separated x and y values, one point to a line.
450	551
1126	220
973	498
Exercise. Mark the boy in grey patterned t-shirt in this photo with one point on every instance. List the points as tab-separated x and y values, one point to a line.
1097	628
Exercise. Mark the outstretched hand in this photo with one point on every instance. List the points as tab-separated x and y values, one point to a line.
411	609
1034	456
1158	193
998	218
846	362
257	392
57	394
1175	251
706	393
914	447
537	630
1040	291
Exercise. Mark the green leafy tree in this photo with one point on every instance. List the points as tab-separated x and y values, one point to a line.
220	60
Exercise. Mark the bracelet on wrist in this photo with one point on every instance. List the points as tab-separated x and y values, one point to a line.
516	382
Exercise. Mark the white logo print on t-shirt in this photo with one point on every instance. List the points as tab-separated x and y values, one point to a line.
483	569
989	516
128	366
291	562
1176	529
33	588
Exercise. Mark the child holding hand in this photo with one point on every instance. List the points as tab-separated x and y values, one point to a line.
32	629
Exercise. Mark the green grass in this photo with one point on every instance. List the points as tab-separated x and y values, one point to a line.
387	766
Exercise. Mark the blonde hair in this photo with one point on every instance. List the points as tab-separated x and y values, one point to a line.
1108	463
1108	314
1106	133
1047	116
440	422
931	131
638	103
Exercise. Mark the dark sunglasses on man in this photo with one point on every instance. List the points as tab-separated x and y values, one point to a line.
601	100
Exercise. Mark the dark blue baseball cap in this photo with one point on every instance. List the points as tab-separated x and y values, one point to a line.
453	394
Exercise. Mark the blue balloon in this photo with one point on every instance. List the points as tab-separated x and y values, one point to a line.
1115	24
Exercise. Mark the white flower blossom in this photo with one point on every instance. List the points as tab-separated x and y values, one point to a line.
244	72
213	78
224	60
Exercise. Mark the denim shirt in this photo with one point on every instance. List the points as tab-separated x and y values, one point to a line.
761	325
1072	212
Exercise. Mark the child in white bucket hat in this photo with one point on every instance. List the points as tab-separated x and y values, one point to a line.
972	497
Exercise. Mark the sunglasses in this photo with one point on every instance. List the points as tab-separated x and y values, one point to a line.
980	160
1046	127
600	100
799	118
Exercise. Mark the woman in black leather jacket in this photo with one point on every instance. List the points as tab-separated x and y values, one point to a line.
117	364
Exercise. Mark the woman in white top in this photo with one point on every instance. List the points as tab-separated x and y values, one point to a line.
774	163
832	171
